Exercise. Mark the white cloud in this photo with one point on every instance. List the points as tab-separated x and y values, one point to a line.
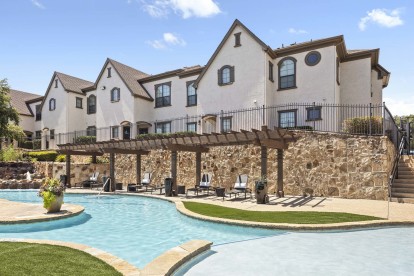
168	39
400	107
38	4
382	17
184	8
295	31
173	39
156	44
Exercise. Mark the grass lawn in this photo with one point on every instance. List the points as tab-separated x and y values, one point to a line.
275	217
20	258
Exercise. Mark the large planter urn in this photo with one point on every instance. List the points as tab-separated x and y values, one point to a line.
56	204
261	192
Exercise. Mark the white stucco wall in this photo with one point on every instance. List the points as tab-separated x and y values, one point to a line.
76	116
27	123
356	81
56	119
314	83
250	76
112	113
178	108
376	88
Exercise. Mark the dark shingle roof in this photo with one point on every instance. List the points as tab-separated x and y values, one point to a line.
131	77
19	99
73	84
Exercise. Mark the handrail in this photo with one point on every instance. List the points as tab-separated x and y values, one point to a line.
395	166
103	186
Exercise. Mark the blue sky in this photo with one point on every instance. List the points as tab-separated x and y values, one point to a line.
76	36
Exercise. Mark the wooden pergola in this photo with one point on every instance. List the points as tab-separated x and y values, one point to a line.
276	138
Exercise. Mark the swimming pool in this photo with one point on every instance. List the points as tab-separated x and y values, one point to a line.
136	229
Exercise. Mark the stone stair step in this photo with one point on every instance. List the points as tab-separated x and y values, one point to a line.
402	190
402	185
402	199
406	176
402	180
403	195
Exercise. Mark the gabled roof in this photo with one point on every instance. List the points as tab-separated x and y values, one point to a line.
236	23
130	76
181	73
20	100
69	84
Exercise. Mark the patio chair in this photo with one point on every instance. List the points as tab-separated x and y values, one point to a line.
145	182
240	186
205	184
87	183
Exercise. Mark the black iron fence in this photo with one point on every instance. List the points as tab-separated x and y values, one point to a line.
335	118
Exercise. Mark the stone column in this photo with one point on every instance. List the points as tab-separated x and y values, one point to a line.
138	169
198	168
280	192
174	170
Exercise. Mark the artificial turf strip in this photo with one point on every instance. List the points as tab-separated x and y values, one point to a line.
294	217
20	258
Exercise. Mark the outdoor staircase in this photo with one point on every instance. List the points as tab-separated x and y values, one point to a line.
403	186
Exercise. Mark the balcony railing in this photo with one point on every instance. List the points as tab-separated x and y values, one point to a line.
367	120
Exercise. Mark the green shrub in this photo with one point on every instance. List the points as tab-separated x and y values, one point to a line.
363	125
43	155
10	154
60	158
102	160
85	139
300	128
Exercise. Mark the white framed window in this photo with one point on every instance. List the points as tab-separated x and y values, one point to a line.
226	124
163	127
115	132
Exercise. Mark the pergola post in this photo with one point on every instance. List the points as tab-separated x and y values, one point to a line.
174	170
263	163
93	159
68	170
198	168
112	170
280	192
138	169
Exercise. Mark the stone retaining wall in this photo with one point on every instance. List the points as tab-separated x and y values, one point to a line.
320	164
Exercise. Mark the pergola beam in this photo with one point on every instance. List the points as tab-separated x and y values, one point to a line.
78	152
179	147
274	144
125	151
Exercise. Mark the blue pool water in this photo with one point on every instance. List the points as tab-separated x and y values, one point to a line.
136	229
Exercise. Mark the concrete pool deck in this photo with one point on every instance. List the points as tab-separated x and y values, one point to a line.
12	212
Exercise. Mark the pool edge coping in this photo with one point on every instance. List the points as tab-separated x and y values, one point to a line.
117	263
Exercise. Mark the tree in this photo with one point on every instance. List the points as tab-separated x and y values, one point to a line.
9	117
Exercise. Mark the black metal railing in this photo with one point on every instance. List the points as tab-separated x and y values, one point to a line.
370	120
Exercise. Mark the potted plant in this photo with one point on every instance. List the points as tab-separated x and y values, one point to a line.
52	193
261	190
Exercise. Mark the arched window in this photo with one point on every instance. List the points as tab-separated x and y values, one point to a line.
226	75
287	73
115	94
163	94
52	104
191	94
91	102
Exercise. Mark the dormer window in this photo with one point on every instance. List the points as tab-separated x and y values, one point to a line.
115	94
109	72
56	83
52	104
226	75
237	40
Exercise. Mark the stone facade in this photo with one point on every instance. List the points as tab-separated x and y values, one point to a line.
79	171
13	175
319	164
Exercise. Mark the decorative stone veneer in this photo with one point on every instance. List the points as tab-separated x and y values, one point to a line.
320	164
79	172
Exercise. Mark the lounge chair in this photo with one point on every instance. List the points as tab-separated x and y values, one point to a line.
240	186
93	179
205	184
145	182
